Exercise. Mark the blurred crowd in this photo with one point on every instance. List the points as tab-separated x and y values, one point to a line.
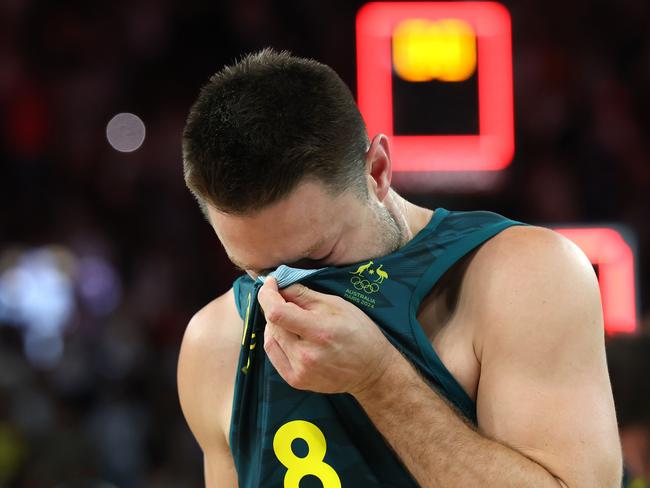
104	255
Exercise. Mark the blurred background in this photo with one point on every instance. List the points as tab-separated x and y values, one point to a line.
104	256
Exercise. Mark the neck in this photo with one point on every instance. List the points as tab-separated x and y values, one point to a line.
410	217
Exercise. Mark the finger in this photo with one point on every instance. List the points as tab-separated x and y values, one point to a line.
268	296
293	320
302	296
284	314
276	355
287	340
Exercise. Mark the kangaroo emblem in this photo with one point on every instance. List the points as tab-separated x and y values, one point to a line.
362	268
382	274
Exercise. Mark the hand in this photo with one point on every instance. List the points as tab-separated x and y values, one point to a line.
321	342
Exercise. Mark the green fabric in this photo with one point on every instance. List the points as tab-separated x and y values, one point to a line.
389	289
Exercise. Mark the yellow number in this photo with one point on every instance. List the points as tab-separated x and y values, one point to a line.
312	463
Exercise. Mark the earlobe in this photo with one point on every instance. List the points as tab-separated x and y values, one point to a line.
378	166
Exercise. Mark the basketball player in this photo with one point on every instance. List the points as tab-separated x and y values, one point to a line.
399	346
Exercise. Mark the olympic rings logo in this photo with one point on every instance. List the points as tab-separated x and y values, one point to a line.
363	284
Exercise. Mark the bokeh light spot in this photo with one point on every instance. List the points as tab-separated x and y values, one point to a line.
125	132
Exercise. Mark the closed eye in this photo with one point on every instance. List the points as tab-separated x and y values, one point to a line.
261	272
304	263
301	264
257	272
307	263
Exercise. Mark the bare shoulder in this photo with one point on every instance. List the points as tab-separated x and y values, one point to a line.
214	327
530	256
206	369
534	247
539	339
532	270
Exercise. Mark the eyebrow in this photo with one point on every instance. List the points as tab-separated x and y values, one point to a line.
243	267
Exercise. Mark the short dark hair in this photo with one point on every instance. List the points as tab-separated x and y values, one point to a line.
266	123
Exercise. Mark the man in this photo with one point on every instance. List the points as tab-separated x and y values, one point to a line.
514	391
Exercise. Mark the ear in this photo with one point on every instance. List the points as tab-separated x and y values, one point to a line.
379	167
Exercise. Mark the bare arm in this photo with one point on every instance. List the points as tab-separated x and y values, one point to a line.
545	409
206	371
436	445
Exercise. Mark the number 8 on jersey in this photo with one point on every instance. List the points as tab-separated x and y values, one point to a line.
312	463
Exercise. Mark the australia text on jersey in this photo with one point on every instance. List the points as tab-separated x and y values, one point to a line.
366	281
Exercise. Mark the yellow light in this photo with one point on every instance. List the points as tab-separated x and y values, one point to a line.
444	50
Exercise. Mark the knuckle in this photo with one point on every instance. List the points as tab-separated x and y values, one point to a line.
301	290
323	337
268	341
308	359
273	314
338	301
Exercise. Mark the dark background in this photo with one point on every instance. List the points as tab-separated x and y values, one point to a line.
119	255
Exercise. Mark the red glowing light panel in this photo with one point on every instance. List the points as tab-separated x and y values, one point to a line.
607	249
493	148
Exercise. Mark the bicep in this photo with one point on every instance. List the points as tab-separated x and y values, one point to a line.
557	412
544	389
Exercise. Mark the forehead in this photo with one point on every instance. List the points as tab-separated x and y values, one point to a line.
285	231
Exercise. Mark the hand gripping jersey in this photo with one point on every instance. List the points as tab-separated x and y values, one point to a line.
283	437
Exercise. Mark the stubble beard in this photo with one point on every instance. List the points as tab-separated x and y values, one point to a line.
391	235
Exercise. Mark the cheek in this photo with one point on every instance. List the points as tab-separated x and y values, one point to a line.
380	238
362	236
361	244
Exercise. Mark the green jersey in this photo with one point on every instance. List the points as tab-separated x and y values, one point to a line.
283	437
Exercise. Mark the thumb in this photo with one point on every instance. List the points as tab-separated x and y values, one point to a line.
300	295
